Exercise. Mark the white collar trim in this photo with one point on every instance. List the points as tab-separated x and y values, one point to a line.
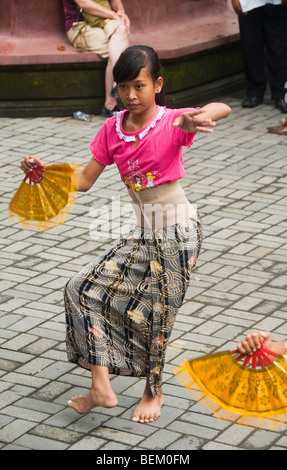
132	138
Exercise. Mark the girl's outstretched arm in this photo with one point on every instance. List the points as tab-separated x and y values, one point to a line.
216	111
85	180
204	119
81	181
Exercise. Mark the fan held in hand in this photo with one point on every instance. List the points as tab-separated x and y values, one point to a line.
257	388
45	197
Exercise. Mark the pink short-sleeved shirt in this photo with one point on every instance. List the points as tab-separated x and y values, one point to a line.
157	158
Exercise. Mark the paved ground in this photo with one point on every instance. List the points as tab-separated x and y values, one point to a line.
238	178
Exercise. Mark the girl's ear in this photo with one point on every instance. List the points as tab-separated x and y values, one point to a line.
159	84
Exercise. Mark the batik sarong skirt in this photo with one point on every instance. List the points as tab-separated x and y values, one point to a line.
121	308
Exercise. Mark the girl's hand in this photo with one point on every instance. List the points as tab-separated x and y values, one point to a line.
251	343
193	121
30	162
124	18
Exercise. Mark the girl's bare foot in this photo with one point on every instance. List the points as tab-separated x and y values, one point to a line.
84	404
149	408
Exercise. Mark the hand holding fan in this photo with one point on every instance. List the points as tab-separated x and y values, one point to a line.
257	387
45	196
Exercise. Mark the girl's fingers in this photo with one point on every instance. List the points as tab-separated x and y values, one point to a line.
198	123
201	127
204	129
250	344
255	341
196	112
188	116
30	162
178	121
265	337
205	124
209	122
243	347
33	160
25	166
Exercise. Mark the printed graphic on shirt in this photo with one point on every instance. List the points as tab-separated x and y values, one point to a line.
150	177
137	180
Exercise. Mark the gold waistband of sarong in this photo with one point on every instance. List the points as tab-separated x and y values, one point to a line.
162	206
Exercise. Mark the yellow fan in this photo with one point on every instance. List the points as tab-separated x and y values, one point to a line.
257	388
45	197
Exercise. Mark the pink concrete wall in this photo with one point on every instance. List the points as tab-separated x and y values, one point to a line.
154	13
26	17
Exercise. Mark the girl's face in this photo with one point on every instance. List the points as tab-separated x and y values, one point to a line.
138	95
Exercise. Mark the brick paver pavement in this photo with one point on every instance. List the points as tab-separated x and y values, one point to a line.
237	176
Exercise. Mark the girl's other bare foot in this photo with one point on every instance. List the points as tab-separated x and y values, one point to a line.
84	404
149	408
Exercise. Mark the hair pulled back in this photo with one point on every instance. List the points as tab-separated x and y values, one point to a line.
133	60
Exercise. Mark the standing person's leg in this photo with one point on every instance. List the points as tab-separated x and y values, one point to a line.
108	43
252	43
275	31
118	42
110	101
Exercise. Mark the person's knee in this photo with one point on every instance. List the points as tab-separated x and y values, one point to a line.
121	32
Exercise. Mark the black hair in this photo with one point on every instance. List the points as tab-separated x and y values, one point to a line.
135	58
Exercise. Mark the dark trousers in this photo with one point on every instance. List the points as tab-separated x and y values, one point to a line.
263	34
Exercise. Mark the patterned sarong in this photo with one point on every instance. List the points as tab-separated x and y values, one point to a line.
121	308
